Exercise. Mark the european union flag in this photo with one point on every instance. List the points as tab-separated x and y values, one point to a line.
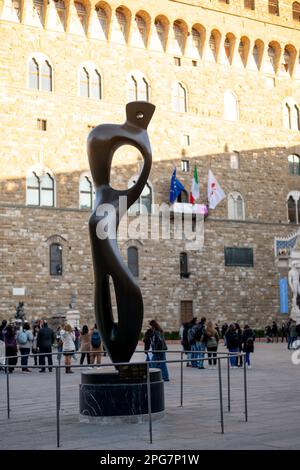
175	187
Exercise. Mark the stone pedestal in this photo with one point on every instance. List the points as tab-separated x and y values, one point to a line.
107	397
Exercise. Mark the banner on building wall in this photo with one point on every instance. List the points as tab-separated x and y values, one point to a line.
283	292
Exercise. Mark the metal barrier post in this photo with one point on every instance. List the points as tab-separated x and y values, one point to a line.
181	380
245	390
7	392
221	396
57	407
228	383
149	402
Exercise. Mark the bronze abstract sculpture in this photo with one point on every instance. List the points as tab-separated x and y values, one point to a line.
120	338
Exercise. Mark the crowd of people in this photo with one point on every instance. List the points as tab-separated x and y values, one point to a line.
288	331
200	337
38	340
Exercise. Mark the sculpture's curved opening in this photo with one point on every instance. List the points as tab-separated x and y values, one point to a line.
126	157
114	308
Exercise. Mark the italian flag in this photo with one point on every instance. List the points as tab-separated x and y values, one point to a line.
195	191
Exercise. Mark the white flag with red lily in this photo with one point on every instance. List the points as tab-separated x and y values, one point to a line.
215	193
195	191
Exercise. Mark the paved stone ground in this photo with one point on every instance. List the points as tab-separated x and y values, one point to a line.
273	402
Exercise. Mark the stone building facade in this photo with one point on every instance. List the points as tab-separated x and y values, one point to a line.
225	81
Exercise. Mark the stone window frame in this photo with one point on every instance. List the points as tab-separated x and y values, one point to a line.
39	58
294	166
90	68
39	173
180	103
237	107
296	11
184	265
295	195
87	175
291	121
56	239
232	199
133	260
133	210
140	81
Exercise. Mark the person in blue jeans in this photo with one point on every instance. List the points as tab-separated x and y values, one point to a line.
248	343
232	343
159	347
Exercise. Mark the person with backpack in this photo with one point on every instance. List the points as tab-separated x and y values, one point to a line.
45	340
95	346
24	340
248	343
159	347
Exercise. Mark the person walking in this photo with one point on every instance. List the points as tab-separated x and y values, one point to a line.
211	339
45	340
95	346
85	342
24	340
159	347
292	334
199	336
239	359
68	338
2	344
248	343
275	331
147	343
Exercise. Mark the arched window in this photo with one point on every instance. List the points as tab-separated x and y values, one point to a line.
296	11
40	73
142	28
196	40
84	82
231	111
121	18
183	196
144	204
47	190
61	11
293	207
34	74
179	98
291	115
286	61
271	56
183	264
55	261
102	17
178	37
33	190
46	76
85	193
146	200
90	83
138	87
133	260
227	48
273	7
81	12
294	164
236	209
213	45
95	85
161	32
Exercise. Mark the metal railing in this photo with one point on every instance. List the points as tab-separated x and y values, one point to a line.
218	356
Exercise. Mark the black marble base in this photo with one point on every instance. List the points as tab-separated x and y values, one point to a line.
110	394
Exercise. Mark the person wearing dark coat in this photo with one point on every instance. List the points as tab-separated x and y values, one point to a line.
232	343
45	340
248	343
